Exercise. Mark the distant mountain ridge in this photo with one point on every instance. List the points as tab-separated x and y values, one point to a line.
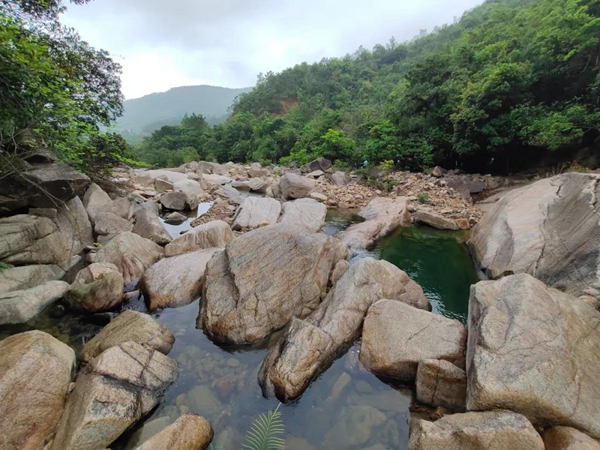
145	114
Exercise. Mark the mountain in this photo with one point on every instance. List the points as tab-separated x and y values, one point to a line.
145	114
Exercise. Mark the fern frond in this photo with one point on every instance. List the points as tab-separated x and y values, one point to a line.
264	434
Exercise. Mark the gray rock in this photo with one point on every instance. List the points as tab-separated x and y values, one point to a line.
216	180
27	277
98	287
107	223
177	280
305	212
149	226
295	186
169	175
255	212
489	430
547	229
396	337
20	306
175	218
179	201
264	278
112	393
441	383
565	438
438	172
355	427
340	178
435	220
317	164
214	234
163	185
315	174
205	167
527	345
231	193
243	186
307	346
189	432
95	200
257	185
35	374
49	183
257	171
129	326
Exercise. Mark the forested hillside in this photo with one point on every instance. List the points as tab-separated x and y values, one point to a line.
507	84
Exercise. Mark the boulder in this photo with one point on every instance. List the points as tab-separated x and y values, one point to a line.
441	383
205	167
27	239
176	280
95	200
132	254
547	229
189	432
340	178
191	188
382	216
459	186
129	326
438	172
318	196
295	186
305	212
175	218
310	345
149	226
489	430
397	336
264	278
20	306
243	186
35	374
255	212
214	234
435	220
49	183
317	164
163	185
98	287
169	175
231	193
113	392
315	174
565	438
27	277
179	201
534	350
216	180
107	223
257	171
258	185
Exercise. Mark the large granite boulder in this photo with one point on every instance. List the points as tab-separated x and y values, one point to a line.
49	183
20	306
27	277
317	164
132	254
489	430
566	438
27	239
305	212
214	234
149	226
189	432
295	186
255	212
108	223
177	280
258	171
96	200
189	187
98	287
169	175
113	392
35	374
205	167
382	216
129	326
264	278
548	229
434	220
441	383
340	178
309	345
534	350
179	201
397	336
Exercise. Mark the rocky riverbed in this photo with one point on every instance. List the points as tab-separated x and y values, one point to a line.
144	321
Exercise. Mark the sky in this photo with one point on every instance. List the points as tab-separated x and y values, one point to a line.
163	44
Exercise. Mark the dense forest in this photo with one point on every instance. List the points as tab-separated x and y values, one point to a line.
509	83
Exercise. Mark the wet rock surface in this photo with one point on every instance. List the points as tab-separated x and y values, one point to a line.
189	432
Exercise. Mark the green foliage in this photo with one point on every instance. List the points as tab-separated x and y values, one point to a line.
4	266
423	197
265	432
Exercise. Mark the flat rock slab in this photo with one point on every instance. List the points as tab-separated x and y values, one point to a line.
534	350
255	212
305	212
21	306
214	234
435	220
27	277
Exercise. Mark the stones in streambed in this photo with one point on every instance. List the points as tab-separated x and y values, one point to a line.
214	234
294	186
27	277
549	229
175	218
434	220
129	326
189	432
35	374
98	287
108	223
534	350
177	280
382	216
149	226
132	254
441	383
566	438
490	430
179	201
27	239
307	346
255	212
112	392
355	427
305	212
397	336
22	305
264	278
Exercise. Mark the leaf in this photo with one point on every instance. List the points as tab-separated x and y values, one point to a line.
264	434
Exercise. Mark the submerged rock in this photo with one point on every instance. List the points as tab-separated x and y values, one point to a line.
214	234
397	336
534	350
309	345
189	432
21	306
305	212
264	278
489	430
98	287
112	392
129	326
565	438
441	383
176	280
295	186
548	229
382	216
255	212
35	374
355	427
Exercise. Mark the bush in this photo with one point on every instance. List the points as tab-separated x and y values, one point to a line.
423	197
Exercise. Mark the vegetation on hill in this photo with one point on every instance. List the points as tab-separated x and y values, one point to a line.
508	83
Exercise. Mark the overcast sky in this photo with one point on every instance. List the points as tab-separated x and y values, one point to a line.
163	44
